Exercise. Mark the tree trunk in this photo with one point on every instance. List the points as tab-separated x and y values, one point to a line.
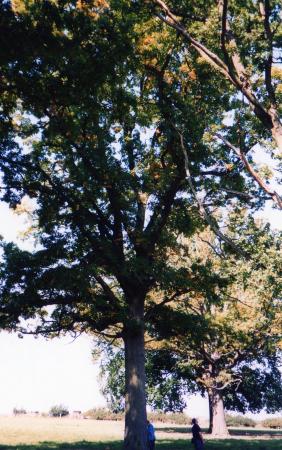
135	433
210	413
218	425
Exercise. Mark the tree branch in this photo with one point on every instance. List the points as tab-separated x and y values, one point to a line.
234	71
203	211
265	11
273	194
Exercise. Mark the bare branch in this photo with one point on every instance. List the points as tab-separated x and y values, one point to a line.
254	174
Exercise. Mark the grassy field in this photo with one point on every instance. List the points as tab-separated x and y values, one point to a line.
31	433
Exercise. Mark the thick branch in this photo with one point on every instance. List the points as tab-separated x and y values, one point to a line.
233	62
162	210
155	308
108	291
265	11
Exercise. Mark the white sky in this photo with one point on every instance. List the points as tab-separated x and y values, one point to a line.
37	374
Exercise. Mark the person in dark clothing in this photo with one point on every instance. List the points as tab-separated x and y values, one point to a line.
151	438
197	439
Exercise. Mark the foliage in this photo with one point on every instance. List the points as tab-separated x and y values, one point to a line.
73	115
275	423
112	378
164	387
236	349
58	411
239	421
260	387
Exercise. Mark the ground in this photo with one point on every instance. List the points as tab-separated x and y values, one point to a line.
32	433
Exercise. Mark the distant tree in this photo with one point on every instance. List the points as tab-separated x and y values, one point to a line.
19	411
275	423
58	411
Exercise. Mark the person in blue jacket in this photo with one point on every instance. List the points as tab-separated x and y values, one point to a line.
151	438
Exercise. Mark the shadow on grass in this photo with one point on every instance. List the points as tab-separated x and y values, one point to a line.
242	444
173	429
169	444
233	432
256	433
81	445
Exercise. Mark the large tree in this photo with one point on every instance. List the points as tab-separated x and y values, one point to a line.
103	116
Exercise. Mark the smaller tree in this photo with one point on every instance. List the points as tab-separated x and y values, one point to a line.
233	348
58	411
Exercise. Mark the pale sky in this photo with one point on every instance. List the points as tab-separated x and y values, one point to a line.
37	374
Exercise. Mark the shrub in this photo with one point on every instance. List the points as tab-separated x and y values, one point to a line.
58	411
102	414
272	423
159	416
239	421
176	418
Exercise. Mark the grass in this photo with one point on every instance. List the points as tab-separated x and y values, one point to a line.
228	444
37	433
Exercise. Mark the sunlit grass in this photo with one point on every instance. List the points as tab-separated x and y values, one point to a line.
31	433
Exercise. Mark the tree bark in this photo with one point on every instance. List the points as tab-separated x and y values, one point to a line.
210	413
135	433
276	128
218	425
